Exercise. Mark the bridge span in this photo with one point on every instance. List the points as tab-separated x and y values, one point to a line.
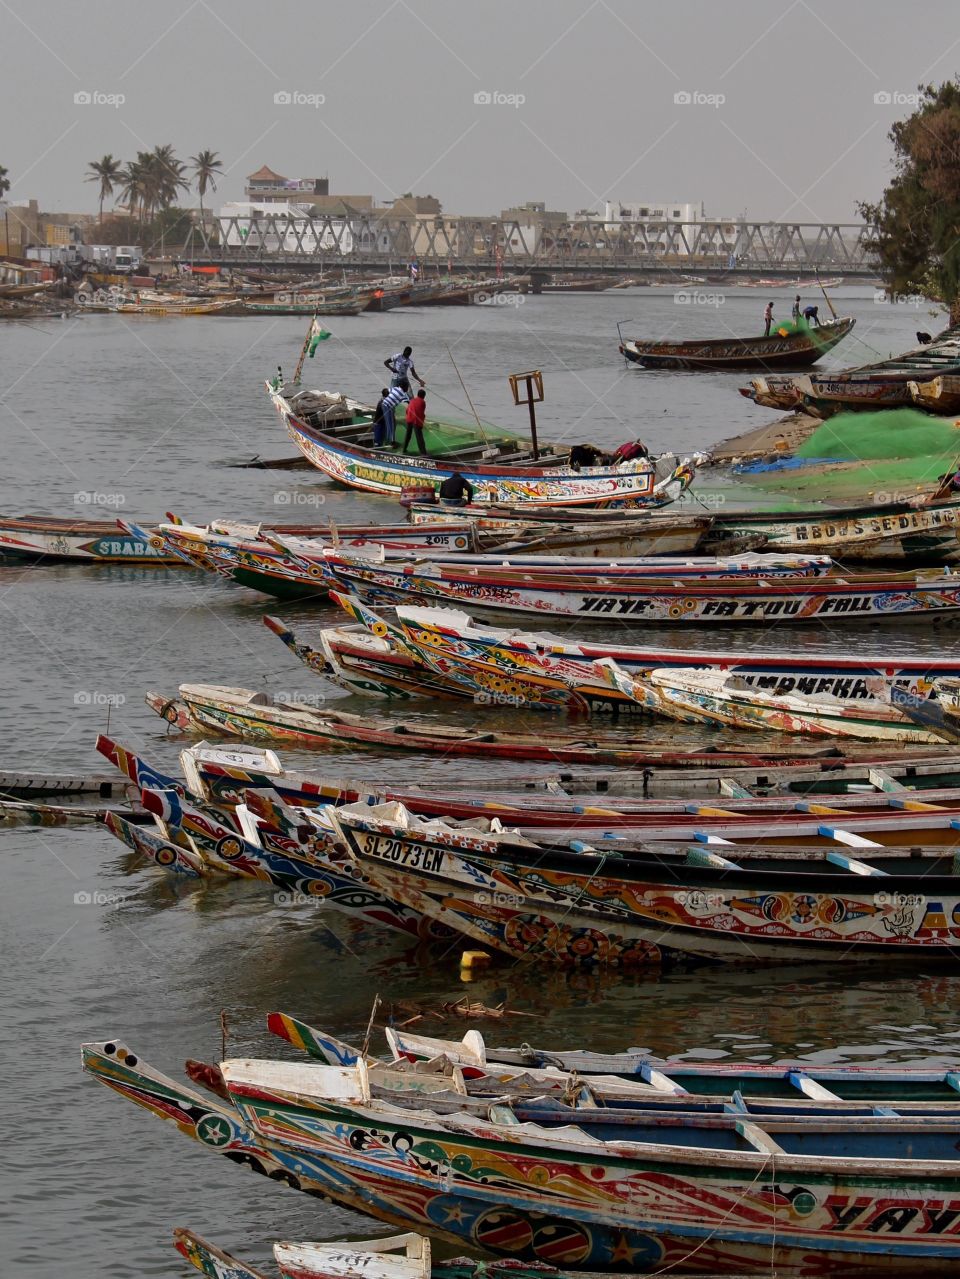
364	242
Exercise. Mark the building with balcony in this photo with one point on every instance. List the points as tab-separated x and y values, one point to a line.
267	187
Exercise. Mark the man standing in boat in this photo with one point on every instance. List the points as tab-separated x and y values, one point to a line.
416	415
795	312
401	366
767	319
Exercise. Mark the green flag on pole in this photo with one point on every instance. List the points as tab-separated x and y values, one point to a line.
318	334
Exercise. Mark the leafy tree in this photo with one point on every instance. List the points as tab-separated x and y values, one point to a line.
918	215
108	172
4	182
206	165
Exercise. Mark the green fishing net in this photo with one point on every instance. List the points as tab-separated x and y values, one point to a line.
891	454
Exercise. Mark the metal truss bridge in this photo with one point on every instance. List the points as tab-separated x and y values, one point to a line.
363	241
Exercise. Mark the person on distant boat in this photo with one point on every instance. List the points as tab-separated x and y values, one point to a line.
401	366
795	311
767	319
812	315
416	414
455	491
389	403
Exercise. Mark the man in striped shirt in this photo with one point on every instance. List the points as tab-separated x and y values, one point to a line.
388	407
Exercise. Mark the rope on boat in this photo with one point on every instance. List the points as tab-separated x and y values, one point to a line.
467	394
771	1160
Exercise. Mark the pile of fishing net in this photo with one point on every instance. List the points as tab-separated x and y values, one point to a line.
895	452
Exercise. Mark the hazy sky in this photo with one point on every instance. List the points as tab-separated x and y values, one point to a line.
783	120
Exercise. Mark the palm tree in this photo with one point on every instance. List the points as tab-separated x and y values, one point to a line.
205	165
108	172
4	182
136	190
168	175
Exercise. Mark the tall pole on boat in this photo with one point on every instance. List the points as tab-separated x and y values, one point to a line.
531	394
826	297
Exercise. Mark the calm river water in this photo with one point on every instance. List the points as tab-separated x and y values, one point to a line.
140	416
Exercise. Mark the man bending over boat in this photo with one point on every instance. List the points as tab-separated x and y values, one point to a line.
401	366
385	432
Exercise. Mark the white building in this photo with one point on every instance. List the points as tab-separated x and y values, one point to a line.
282	228
615	212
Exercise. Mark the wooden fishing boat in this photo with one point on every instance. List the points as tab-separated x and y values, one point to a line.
306	873
251	716
293	568
796	349
884	384
600	597
205	1117
45	537
725	700
632	817
24	785
309	307
193	837
367	664
204	812
289	1121
29	812
224	775
794	1081
598	903
351	421
577	1193
253	555
937	395
540	668
649	1083
169	306
582	530
923	531
388	1257
498	469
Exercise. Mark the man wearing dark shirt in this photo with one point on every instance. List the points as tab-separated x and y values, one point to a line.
416	414
455	491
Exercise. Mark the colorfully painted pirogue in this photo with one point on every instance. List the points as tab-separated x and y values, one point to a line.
580	1187
595	596
498	472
